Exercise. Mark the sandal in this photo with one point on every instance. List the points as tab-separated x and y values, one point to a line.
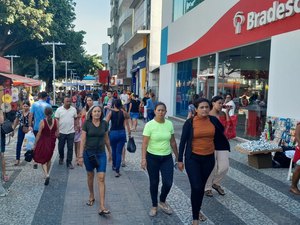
218	189
5	178
153	212
104	212
117	175
208	193
90	202
165	208
202	217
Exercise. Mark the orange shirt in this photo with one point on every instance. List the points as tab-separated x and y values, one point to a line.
203	140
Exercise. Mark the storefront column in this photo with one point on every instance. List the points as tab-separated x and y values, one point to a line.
216	74
198	73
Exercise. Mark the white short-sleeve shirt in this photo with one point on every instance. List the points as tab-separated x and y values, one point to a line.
66	119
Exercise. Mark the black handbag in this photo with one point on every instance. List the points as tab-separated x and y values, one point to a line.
131	147
28	155
6	127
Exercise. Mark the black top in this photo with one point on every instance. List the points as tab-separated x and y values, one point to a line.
117	120
95	136
23	120
145	100
185	146
135	105
95	96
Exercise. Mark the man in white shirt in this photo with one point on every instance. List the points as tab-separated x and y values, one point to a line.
124	98
66	116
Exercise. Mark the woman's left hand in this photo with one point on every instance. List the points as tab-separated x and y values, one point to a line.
180	166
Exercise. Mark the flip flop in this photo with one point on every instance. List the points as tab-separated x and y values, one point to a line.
5	178
104	212
90	202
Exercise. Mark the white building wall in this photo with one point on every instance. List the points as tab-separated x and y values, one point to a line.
155	34
167	15
284	78
167	87
190	27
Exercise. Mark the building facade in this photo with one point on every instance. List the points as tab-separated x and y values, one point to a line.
246	48
135	44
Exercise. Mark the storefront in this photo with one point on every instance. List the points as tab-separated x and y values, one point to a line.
139	71
243	48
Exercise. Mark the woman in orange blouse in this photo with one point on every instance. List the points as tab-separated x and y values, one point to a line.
201	136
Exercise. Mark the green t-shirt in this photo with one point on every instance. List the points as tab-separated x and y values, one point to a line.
160	136
95	136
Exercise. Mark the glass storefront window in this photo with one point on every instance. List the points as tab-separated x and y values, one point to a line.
181	7
244	73
185	86
206	76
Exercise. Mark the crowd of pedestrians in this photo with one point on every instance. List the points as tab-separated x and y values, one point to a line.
97	127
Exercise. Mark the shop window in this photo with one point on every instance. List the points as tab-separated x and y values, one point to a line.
185	86
206	76
244	72
181	7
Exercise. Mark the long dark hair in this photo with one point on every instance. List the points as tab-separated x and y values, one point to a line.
89	116
87	107
48	113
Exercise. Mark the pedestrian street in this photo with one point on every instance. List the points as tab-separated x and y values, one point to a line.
253	196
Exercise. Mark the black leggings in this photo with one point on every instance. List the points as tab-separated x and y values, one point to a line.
198	168
164	164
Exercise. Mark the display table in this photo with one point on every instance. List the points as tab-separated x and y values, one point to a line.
259	159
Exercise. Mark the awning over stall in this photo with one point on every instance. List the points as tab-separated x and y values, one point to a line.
22	81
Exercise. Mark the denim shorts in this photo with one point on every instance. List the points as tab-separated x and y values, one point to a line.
101	159
134	115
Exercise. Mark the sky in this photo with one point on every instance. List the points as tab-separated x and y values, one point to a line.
93	17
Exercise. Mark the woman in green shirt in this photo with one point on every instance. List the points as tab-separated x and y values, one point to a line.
94	138
158	143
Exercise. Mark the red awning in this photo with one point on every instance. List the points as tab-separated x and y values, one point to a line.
22	81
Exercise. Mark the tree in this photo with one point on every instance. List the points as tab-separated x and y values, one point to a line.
23	20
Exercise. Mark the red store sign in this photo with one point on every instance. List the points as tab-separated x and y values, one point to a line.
246	22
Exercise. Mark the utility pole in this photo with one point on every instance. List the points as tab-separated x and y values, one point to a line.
53	64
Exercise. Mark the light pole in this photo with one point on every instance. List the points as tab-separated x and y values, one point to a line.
72	79
66	68
12	61
53	63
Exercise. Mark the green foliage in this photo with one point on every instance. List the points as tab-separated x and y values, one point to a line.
26	24
21	21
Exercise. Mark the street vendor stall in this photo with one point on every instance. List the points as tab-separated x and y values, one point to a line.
10	87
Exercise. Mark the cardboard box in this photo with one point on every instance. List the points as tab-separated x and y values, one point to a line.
260	160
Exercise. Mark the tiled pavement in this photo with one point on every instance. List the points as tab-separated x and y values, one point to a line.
253	196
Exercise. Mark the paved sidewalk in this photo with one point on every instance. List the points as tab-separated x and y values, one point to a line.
253	196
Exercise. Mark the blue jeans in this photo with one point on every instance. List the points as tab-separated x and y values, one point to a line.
101	160
21	136
117	140
164	165
150	114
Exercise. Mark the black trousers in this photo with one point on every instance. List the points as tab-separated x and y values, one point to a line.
198	168
164	165
61	145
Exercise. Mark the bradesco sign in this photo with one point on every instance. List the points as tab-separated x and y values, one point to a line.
278	11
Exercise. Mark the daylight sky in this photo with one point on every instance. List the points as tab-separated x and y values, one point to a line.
93	16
